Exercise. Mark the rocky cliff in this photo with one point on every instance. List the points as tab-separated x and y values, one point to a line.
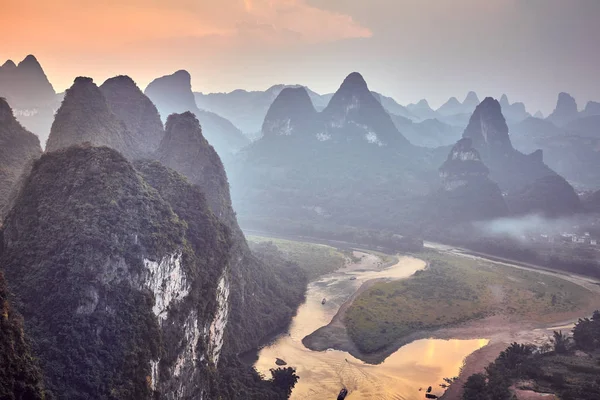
119	293
256	289
18	148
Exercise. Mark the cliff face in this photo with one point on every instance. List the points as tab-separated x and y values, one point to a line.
261	298
120	290
137	113
85	117
18	148
20	377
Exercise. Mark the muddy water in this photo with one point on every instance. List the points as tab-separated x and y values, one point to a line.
406	374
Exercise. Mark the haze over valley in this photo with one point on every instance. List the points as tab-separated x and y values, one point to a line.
300	200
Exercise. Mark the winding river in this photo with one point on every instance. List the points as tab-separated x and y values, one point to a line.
406	374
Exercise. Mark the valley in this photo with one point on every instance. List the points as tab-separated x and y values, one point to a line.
430	330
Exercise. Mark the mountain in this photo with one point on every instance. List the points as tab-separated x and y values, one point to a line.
30	94
565	111
538	114
532	133
247	110
292	112
21	377
467	193
122	282
86	117
173	94
353	113
185	150
422	110
26	83
450	107
591	108
514	112
18	148
345	164
136	112
392	107
454	107
428	133
550	195
516	173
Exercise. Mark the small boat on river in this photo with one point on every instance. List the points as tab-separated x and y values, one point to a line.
343	394
324	301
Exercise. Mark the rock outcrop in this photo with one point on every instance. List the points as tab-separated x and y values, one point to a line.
565	111
18	148
137	113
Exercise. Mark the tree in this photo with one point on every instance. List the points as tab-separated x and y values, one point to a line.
560	342
284	379
475	388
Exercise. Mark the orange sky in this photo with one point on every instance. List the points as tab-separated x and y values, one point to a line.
409	49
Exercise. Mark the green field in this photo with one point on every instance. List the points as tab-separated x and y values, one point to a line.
452	290
314	259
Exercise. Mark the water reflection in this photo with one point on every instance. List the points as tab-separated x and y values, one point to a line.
415	366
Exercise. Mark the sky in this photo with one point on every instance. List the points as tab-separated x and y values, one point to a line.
408	49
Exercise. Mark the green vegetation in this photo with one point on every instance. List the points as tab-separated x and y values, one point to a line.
20	377
314	259
452	290
565	370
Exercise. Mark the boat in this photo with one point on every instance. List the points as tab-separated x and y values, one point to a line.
324	301
343	394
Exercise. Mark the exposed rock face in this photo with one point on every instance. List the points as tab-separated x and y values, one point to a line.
115	286
18	148
467	192
173	94
565	111
292	112
86	117
21	377
488	130
137	113
30	94
243	290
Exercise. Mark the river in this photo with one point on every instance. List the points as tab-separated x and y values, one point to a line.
406	374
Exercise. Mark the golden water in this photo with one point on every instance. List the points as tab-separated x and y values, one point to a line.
415	366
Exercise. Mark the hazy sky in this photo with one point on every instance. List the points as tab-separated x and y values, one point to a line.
409	49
